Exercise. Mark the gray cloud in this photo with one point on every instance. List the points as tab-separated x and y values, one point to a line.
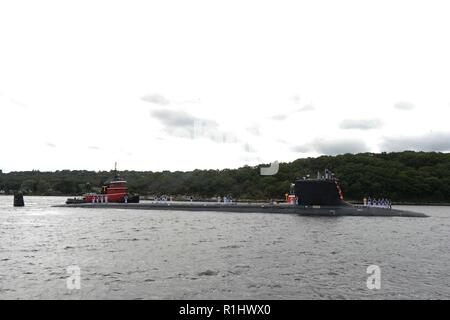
302	148
172	118
156	99
362	124
279	117
333	147
306	107
403	105
93	148
159	99
184	125
51	145
178	124
432	141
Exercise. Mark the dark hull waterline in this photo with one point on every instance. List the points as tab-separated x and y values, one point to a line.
257	208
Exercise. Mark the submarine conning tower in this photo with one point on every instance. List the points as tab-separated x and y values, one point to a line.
323	191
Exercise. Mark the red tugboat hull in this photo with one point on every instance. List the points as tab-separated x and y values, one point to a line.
114	190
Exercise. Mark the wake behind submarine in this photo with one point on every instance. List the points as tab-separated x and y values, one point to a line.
309	197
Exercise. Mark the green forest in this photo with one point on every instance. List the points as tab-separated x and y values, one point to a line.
420	177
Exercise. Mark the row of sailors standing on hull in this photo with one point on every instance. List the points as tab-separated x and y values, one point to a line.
226	199
379	203
103	198
99	199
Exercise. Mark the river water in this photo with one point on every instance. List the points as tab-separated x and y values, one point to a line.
138	254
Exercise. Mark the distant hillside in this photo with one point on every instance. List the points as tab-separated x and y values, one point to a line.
401	176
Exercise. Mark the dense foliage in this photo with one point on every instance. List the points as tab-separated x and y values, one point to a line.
403	176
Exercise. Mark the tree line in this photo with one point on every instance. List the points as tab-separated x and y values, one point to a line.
401	176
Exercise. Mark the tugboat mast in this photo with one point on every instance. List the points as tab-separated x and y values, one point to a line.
116	176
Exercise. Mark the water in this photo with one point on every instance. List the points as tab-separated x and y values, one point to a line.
208	255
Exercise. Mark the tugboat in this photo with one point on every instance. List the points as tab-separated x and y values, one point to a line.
114	190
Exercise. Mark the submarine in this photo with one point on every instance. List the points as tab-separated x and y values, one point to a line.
114	190
308	197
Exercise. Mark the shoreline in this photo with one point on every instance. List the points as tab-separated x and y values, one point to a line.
354	202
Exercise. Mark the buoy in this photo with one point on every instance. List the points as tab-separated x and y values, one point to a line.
18	200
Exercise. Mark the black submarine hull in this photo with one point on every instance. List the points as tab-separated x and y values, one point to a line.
341	210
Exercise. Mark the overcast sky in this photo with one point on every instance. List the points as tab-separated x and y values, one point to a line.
179	85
